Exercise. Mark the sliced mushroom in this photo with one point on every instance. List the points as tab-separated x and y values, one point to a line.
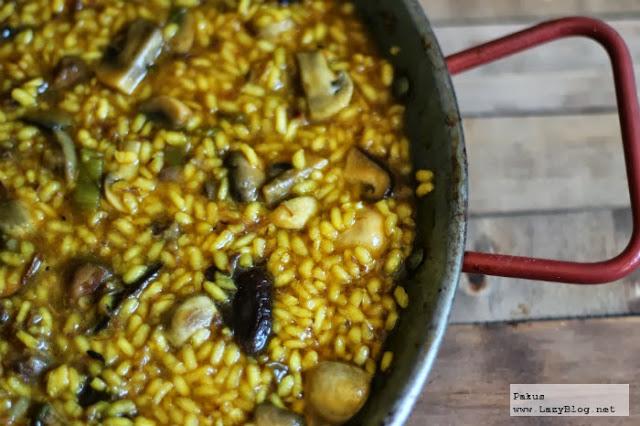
167	110
56	122
367	231
69	153
87	279
126	65
53	119
112	302
294	213
182	41
270	415
336	391
280	187
362	169
326	92
244	177
192	315
70	71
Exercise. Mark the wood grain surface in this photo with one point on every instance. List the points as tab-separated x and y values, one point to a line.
470	383
546	170
581	236
447	11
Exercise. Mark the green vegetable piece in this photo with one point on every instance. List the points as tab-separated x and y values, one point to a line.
175	156
86	195
92	164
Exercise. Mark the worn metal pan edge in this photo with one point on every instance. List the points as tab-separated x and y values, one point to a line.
437	143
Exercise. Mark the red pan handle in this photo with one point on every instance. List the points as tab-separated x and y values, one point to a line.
629	113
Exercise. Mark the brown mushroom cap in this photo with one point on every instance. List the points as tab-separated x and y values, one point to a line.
362	169
167	109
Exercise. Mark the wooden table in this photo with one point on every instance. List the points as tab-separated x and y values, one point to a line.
546	179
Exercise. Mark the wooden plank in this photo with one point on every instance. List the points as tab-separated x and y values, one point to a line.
545	163
569	75
470	381
500	10
580	236
561	55
547	93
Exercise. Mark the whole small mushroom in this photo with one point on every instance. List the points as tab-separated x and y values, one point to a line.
294	213
367	231
194	314
336	391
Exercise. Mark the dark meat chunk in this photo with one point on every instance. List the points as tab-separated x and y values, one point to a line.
252	309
